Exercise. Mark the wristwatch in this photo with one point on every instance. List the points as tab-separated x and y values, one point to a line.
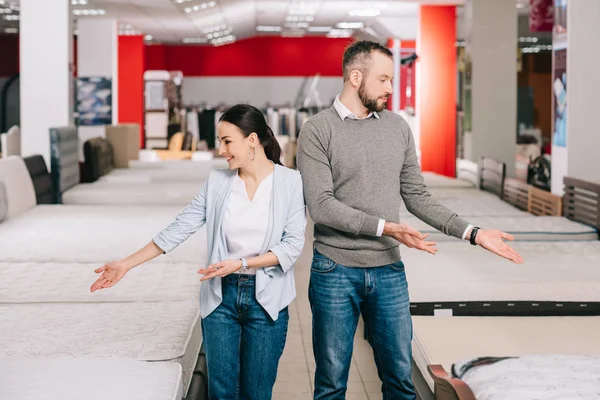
244	265
473	236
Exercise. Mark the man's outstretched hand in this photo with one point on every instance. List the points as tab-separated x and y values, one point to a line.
409	237
493	240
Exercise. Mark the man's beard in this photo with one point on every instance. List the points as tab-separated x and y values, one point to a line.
369	103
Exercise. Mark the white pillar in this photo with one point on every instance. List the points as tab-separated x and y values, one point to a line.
396	82
579	158
492	45
46	54
97	57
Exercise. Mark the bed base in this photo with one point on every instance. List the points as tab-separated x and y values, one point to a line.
448	388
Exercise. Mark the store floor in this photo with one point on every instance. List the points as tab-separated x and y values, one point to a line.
297	366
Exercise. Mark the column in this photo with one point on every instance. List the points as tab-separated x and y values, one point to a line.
575	152
97	61
436	88
492	47
46	53
131	82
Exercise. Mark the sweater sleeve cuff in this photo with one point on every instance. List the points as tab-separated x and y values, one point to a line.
458	227
370	225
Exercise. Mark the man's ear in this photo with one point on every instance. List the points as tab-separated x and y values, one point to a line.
356	77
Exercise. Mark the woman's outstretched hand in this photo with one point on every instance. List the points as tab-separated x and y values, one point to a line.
112	273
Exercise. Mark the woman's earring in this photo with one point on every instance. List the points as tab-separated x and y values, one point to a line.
252	154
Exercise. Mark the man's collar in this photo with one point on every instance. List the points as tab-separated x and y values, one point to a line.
344	112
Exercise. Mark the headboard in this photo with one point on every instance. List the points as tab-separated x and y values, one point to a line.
581	201
467	170
3	202
11	142
20	195
492	174
42	181
516	193
99	160
64	160
542	202
125	140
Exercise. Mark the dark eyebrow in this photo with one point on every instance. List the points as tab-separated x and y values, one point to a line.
223	138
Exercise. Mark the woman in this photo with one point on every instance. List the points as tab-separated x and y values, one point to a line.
256	220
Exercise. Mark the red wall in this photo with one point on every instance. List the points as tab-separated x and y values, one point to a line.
437	92
131	81
261	56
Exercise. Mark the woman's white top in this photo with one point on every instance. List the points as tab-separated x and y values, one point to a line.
246	222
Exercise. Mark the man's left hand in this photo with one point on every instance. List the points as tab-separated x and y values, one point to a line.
221	269
493	240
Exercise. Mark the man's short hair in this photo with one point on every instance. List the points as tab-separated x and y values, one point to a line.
358	55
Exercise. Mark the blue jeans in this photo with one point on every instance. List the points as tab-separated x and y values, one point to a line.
243	344
338	295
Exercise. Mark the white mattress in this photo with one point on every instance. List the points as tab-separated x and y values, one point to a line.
141	193
156	331
68	379
68	282
540	377
433	180
94	234
459	272
526	227
156	175
217	162
478	203
444	341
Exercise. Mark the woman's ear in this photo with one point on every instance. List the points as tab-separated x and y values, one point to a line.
253	139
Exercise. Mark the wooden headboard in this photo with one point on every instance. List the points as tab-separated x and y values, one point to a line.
542	202
492	174
468	171
516	193
581	201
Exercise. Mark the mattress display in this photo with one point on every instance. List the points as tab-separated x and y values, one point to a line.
76	379
140	193
27	282
526	227
433	180
156	175
480	204
95	234
444	341
142	331
540	377
18	188
556	278
217	162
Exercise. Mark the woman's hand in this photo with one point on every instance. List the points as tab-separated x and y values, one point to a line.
112	273
221	269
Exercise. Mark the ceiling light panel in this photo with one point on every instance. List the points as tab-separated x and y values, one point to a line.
88	12
200	7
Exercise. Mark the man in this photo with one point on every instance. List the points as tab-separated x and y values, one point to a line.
358	162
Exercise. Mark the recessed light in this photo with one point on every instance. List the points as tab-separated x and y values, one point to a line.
368	12
350	25
319	28
264	28
148	37
79	2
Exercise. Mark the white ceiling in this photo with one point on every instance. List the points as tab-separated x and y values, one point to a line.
168	21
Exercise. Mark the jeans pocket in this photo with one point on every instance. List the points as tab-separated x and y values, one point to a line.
397	266
322	264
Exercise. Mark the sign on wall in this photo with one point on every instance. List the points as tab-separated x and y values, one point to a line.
559	74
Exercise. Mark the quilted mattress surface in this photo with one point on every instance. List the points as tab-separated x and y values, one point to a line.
526	227
143	331
27	282
552	271
444	341
474	205
76	379
433	180
94	234
140	193
156	175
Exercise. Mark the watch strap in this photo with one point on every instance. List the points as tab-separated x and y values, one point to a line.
473	236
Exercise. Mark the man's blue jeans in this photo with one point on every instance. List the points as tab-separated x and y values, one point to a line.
338	295
243	344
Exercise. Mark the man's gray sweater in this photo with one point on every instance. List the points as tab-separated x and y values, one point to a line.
356	172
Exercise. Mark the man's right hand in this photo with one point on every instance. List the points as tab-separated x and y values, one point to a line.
409	237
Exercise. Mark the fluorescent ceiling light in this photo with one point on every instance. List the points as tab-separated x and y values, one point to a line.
182	1
223	40
5	11
89	12
300	18
339	33
368	12
11	17
194	40
319	28
296	25
148	37
350	25
264	28
11	30
200	7
79	2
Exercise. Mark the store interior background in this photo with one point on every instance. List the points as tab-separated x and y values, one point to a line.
254	64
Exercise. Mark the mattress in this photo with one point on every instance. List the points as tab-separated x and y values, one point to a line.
217	162
94	234
526	227
557	278
156	175
77	379
540	377
478	203
433	180
140	193
142	331
444	341
27	282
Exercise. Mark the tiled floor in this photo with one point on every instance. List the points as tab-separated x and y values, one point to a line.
297	366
